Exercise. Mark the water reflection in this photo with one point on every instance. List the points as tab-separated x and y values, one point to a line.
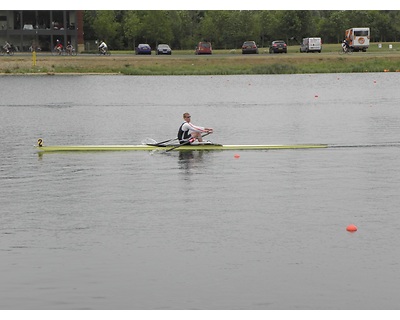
189	160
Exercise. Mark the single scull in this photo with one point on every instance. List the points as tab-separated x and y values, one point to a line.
195	147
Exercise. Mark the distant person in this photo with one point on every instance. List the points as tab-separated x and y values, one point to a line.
69	48
188	132
7	47
345	45
103	47
59	47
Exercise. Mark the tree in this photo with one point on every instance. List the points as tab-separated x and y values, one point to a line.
182	29
88	18
132	27
245	25
208	30
156	27
381	26
333	26
394	18
185	27
105	26
297	24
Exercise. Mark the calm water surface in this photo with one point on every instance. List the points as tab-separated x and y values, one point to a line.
201	230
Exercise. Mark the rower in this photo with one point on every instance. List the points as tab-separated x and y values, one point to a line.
189	132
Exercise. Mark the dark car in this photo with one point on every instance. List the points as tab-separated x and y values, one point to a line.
203	48
143	48
249	47
163	49
278	46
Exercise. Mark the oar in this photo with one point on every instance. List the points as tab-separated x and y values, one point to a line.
185	143
170	140
155	143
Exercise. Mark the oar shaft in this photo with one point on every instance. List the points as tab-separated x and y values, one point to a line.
161	142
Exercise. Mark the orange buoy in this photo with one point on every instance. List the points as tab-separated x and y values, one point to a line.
237	156
351	228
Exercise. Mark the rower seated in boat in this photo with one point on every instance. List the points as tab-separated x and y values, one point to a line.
188	132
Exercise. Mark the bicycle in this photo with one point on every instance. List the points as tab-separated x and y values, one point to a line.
105	52
70	51
57	51
9	52
346	50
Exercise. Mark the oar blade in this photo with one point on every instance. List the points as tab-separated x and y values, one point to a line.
148	141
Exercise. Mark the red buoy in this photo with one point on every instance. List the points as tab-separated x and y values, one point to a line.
351	228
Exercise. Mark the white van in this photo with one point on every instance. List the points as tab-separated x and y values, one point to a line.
358	38
311	45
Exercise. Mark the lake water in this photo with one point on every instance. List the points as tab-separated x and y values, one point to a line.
201	230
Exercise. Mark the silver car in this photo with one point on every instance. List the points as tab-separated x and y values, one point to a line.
163	49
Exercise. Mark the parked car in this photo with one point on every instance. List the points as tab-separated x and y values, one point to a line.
249	47
143	48
163	49
203	48
278	46
311	45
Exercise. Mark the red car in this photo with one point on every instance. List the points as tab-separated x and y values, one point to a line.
203	48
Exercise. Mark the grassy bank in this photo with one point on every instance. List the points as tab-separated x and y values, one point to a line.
222	62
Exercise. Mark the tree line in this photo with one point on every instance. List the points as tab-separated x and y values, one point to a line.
228	29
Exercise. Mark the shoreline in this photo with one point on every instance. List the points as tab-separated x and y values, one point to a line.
219	63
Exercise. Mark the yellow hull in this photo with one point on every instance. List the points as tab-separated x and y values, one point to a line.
180	148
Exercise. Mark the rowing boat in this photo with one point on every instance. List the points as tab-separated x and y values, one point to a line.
191	147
